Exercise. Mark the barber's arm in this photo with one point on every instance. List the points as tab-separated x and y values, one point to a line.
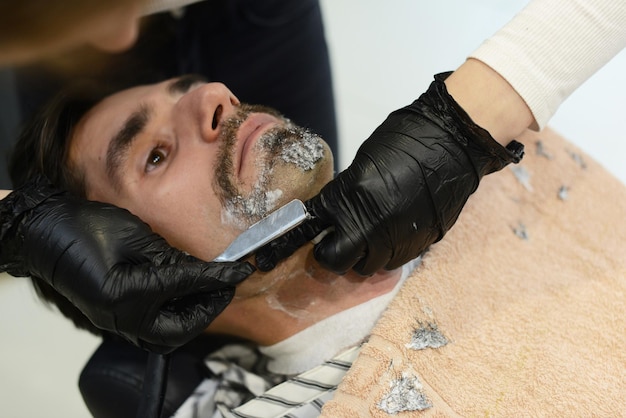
125	278
411	178
405	188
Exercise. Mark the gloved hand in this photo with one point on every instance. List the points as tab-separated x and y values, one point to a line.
125	278
404	190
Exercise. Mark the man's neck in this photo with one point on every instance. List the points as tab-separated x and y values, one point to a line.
302	294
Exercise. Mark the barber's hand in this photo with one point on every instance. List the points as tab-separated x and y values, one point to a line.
122	276
404	190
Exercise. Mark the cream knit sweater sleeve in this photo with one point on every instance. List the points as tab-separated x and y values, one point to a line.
551	47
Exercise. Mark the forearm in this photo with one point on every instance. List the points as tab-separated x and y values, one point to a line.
549	49
489	100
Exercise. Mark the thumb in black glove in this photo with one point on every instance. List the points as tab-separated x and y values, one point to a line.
404	190
125	278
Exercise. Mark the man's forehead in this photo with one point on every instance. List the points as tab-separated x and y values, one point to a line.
123	98
111	112
119	105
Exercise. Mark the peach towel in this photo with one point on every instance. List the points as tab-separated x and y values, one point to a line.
529	291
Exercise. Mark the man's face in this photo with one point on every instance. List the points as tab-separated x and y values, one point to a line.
195	164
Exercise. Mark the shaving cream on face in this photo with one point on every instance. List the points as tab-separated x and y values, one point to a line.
242	211
304	153
286	144
297	305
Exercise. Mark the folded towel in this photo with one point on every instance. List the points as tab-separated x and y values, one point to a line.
519	311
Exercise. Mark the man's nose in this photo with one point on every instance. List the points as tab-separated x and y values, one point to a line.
208	106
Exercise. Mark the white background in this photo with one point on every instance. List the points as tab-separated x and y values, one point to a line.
384	54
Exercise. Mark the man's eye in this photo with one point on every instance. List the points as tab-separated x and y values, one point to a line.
155	158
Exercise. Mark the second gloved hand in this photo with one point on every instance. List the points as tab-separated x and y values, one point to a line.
404	190
125	278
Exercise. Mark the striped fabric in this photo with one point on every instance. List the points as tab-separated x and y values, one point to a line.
301	396
239	386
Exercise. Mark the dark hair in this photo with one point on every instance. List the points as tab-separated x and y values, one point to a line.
42	148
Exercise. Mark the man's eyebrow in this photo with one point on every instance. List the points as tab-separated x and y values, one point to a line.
182	84
119	145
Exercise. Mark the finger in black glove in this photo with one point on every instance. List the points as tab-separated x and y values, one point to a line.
125	278
269	255
405	188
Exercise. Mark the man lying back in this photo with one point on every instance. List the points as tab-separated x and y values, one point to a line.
199	167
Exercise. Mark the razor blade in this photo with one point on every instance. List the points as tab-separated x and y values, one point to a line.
267	229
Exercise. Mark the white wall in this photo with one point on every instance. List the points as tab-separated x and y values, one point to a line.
41	356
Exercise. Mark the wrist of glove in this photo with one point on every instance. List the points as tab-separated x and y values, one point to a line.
407	185
110	265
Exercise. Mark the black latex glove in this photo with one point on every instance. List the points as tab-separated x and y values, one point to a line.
404	190
125	278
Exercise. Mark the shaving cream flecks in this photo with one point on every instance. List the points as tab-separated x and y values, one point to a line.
305	153
292	145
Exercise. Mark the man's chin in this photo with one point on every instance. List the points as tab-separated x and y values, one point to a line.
296	183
